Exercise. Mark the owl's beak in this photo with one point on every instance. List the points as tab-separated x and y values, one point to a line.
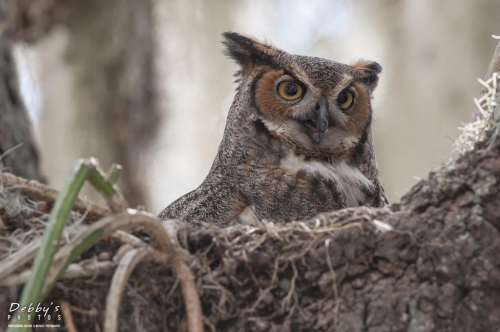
318	123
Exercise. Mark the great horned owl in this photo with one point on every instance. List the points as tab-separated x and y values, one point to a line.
297	142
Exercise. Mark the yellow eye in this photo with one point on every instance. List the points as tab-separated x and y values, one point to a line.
289	90
345	99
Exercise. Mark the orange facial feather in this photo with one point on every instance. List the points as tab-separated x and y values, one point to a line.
265	96
360	111
361	64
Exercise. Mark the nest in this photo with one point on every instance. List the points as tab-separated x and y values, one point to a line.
254	278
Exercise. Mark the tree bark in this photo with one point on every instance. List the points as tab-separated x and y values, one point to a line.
98	84
111	48
18	150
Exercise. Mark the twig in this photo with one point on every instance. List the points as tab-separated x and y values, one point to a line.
186	280
18	259
73	271
36	190
92	312
334	283
224	292
132	219
286	300
190	296
125	237
68	317
26	253
124	248
272	284
120	278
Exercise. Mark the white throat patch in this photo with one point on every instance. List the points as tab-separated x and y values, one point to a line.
349	180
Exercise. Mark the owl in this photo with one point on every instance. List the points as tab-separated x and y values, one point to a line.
298	140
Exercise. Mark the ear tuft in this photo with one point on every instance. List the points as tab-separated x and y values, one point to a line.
368	72
237	48
247	52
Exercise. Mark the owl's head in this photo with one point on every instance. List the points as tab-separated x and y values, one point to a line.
318	107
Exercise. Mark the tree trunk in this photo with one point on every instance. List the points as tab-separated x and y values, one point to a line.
98	87
18	151
111	47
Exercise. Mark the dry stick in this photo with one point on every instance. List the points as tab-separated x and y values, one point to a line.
120	278
68	317
190	295
128	238
266	291
92	312
186	280
18	259
286	300
124	221
494	67
224	292
26	253
36	190
132	219
334	283
72	272
124	248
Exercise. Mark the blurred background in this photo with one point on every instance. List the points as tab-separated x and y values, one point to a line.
144	82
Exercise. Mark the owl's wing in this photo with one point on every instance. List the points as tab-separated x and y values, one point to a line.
383	197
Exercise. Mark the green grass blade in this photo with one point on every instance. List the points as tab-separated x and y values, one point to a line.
50	241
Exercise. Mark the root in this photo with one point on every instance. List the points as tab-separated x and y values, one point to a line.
68	317
334	283
120	278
